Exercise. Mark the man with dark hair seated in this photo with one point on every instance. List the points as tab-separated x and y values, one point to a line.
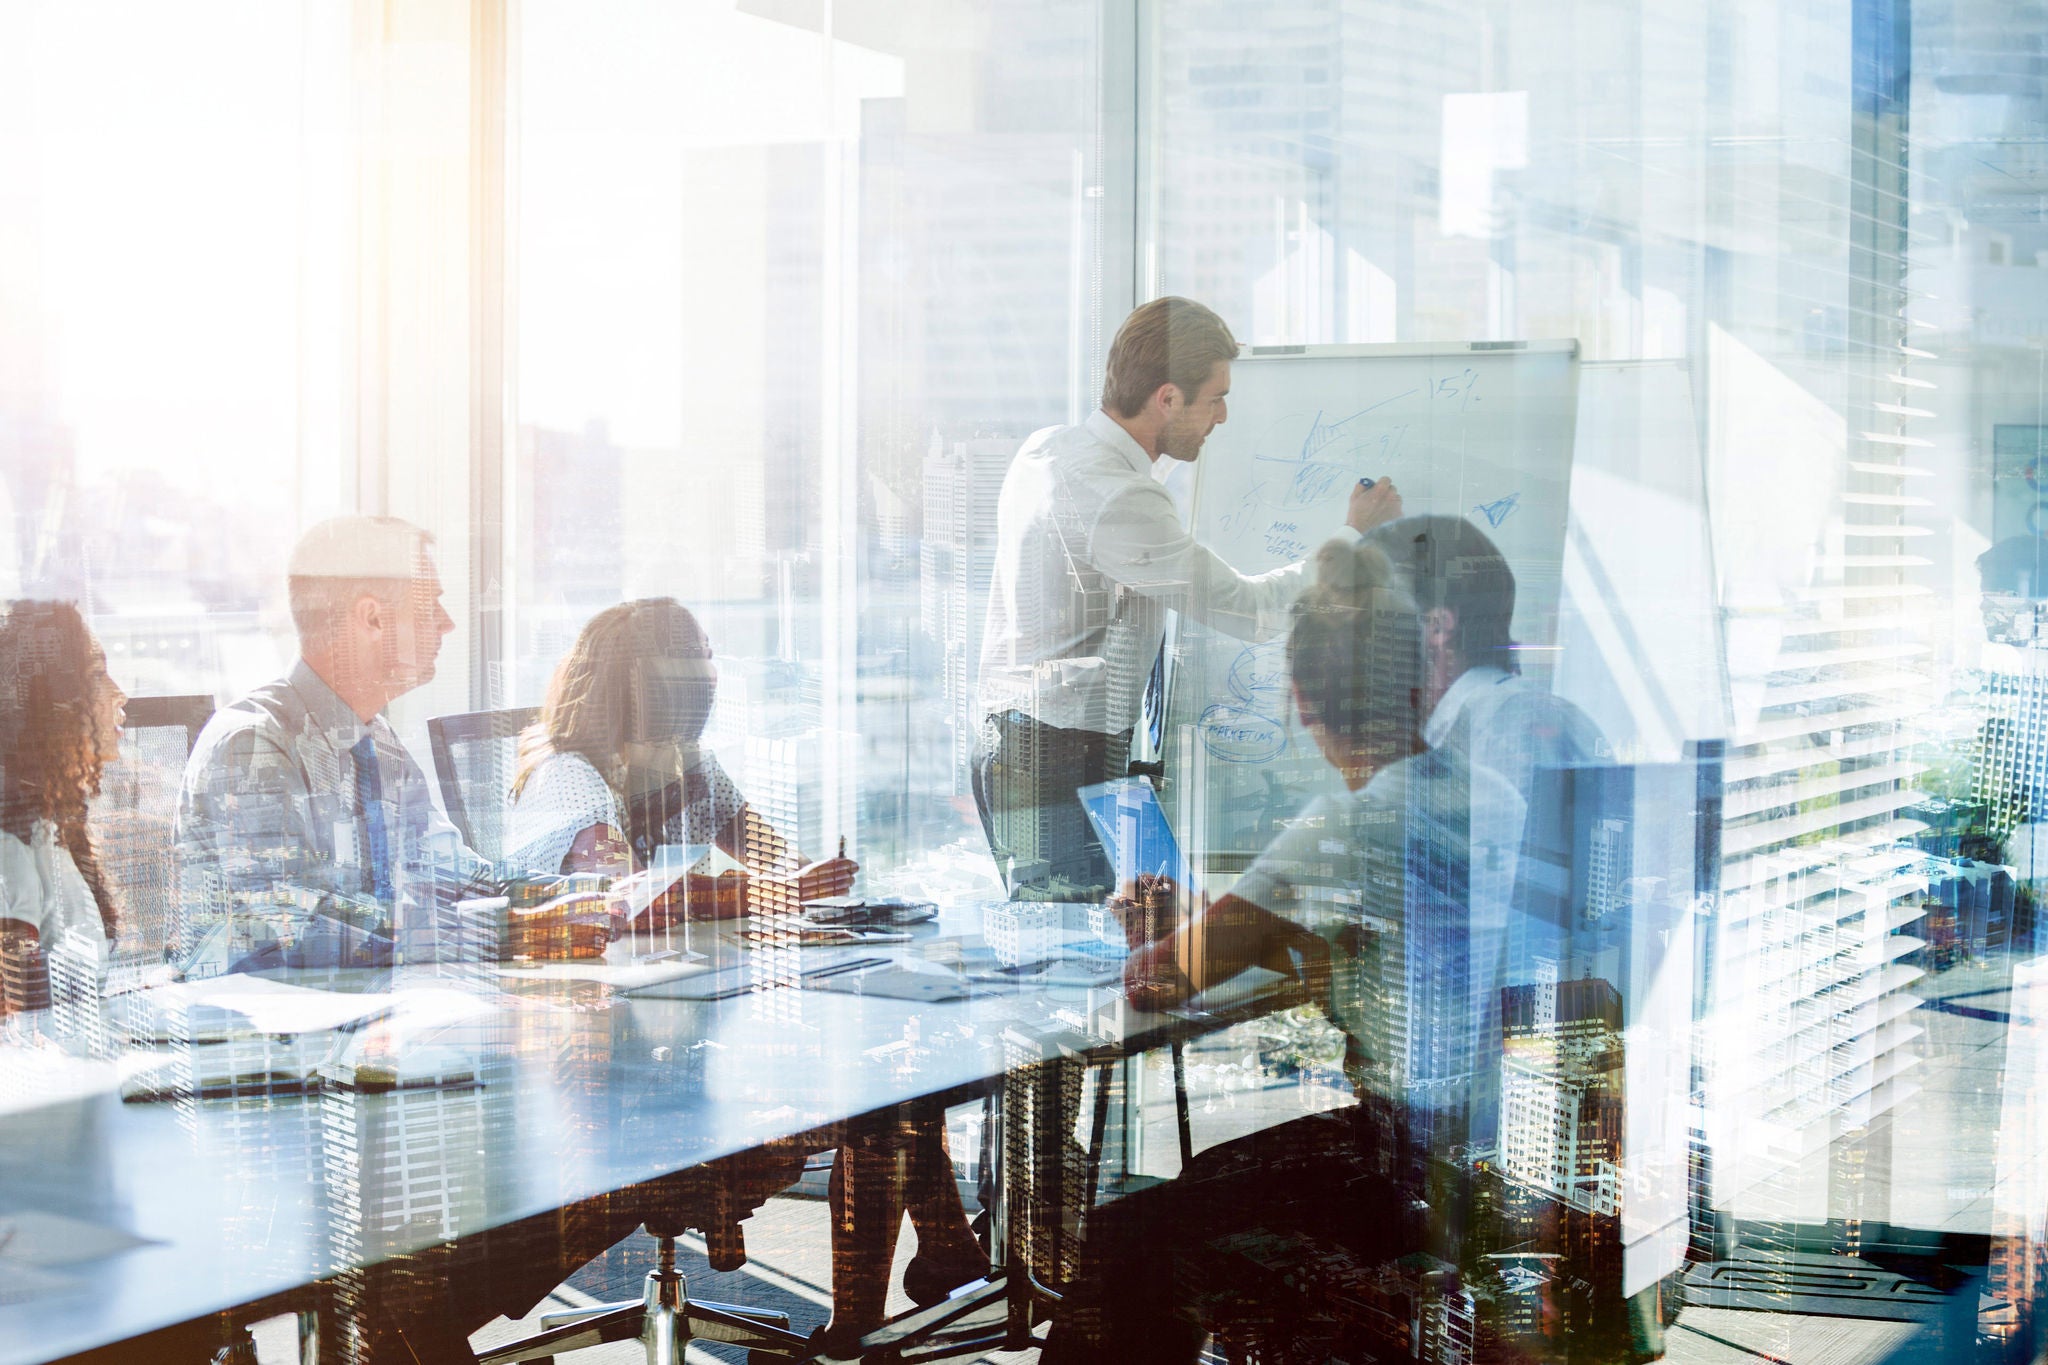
1478	701
1342	1235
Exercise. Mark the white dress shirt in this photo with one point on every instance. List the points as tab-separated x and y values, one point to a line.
40	886
1090	555
1512	725
1516	728
1423	860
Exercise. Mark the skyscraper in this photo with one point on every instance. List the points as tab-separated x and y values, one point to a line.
1561	1091
956	560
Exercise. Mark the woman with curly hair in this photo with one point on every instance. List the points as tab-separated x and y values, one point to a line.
60	723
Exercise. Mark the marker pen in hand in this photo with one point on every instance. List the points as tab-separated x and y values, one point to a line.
1366	483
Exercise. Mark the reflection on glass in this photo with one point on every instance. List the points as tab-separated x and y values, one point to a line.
1542	504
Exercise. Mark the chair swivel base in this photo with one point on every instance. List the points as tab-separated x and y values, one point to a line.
665	1319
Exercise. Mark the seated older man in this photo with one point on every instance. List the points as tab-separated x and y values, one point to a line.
301	805
302	789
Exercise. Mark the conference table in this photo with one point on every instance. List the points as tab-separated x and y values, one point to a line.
187	1207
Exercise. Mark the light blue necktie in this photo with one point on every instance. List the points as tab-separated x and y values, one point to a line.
370	814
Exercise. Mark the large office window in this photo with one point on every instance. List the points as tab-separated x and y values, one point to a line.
1728	322
786	300
176	320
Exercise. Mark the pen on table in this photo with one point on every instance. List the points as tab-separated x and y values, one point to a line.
1019	977
864	933
858	964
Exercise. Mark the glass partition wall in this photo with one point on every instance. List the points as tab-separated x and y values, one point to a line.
1801	565
178	320
791	284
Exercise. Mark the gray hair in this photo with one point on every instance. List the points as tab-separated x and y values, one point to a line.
342	560
319	605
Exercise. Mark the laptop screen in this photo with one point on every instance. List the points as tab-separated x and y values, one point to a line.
1131	824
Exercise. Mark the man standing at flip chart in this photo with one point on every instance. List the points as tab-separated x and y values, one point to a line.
1090	556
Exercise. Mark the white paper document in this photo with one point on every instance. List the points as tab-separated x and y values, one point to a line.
267	1006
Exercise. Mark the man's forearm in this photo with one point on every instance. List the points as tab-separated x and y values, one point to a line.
1227	937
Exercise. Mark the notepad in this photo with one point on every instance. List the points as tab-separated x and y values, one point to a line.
32	1237
744	978
417	1036
620	976
25	1284
902	983
224	1007
1056	972
32	1077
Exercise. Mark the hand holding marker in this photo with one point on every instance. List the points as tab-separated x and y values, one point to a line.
1374	503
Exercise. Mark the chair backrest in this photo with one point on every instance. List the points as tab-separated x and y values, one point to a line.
188	713
134	818
474	756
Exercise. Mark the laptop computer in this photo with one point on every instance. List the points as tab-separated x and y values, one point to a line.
1131	824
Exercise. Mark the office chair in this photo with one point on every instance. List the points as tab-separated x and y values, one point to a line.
665	1319
1037	1236
134	822
188	713
474	755
135	815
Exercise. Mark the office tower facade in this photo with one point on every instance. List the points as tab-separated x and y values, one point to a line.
2016	1296
1979	904
2009	783
782	784
1562	1092
1817	1043
1807	1026
1608	869
404	1133
956	560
